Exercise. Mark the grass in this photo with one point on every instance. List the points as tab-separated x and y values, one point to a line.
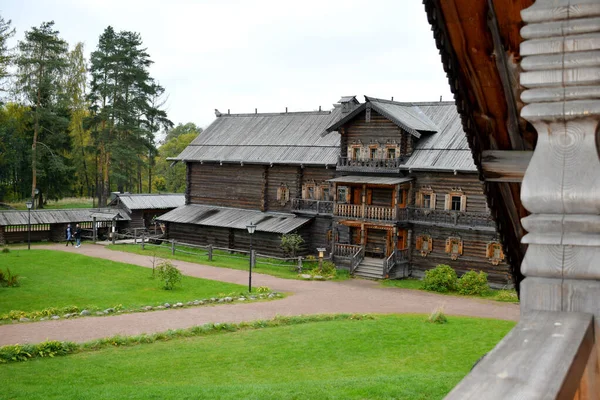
57	279
67	202
387	357
221	259
507	296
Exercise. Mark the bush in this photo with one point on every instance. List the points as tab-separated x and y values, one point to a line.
7	279
507	295
440	279
473	283
6	250
291	243
437	316
169	274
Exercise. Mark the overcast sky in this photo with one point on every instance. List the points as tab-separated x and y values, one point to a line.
264	54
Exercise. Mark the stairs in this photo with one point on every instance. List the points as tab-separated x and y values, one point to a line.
370	268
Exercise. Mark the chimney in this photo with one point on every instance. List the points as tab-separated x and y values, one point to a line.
348	103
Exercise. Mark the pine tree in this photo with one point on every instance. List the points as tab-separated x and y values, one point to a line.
41	63
5	53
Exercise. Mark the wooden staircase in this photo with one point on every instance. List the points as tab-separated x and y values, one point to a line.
370	268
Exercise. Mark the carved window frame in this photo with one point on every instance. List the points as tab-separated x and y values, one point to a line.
342	194
454	247
324	192
395	148
456	192
420	200
283	194
357	146
307	189
424	244
373	156
491	252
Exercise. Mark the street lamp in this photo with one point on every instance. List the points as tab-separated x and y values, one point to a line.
29	204
251	228
321	251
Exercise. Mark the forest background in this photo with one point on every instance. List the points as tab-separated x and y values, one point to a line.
84	128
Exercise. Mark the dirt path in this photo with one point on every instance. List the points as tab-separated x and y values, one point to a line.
305	297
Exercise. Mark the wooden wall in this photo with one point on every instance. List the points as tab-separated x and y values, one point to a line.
281	174
317	234
2	240
21	237
473	257
378	130
444	182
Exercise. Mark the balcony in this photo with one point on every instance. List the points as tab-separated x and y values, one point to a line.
380	165
481	221
374	213
316	207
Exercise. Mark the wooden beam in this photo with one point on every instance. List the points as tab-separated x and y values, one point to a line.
543	357
505	165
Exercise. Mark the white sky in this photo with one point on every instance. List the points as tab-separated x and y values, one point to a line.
265	54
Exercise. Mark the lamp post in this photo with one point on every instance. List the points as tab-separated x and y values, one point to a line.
29	204
321	251
251	228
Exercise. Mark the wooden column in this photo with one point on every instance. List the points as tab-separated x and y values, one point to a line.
561	187
264	194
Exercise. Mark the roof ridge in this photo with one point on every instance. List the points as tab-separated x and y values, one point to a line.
275	114
410	103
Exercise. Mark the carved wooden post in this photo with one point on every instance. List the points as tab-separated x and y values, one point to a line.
561	187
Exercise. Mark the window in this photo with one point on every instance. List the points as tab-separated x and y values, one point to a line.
455	203
342	194
456	200
325	192
454	247
426	199
424	244
355	153
310	192
283	194
494	252
391	153
372	153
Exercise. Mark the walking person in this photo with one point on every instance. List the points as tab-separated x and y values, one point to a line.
69	235
78	235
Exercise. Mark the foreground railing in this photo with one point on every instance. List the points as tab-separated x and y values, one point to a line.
312	206
357	259
397	257
548	355
446	217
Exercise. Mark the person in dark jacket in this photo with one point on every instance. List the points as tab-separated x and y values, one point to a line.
69	235
78	235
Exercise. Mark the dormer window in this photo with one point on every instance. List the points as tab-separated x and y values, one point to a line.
391	153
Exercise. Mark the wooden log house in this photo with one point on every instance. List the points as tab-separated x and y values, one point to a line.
388	188
144	208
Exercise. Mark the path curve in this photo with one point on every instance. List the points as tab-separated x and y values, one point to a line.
306	297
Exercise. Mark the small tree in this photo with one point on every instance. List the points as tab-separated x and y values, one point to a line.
169	274
291	243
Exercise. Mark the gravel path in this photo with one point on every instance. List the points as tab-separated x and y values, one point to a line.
305	297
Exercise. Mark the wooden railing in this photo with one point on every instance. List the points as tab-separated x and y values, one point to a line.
349	210
357	259
375	164
548	355
438	217
397	257
345	250
376	213
312	206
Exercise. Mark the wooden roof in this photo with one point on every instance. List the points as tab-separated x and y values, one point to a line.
279	138
19	217
149	201
479	46
236	218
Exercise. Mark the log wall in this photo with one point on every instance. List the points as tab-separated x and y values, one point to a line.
444	182
473	257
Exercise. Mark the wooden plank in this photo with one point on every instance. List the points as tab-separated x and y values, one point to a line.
505	166
543	357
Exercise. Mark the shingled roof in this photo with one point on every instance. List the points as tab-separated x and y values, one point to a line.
279	138
8	218
149	201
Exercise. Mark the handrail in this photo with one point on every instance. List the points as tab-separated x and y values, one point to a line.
391	260
357	259
345	250
377	213
465	218
313	206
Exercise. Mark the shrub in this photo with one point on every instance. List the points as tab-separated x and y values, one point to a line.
473	283
291	243
437	316
507	295
7	279
169	274
263	289
6	250
440	279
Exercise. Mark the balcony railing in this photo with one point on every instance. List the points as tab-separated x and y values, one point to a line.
450	218
375	213
312	206
369	164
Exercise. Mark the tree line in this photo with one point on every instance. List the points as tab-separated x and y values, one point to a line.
73	127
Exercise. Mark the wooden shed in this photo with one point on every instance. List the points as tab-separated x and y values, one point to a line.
143	209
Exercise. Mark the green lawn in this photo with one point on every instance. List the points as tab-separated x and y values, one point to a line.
220	259
57	279
390	357
508	296
67	202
